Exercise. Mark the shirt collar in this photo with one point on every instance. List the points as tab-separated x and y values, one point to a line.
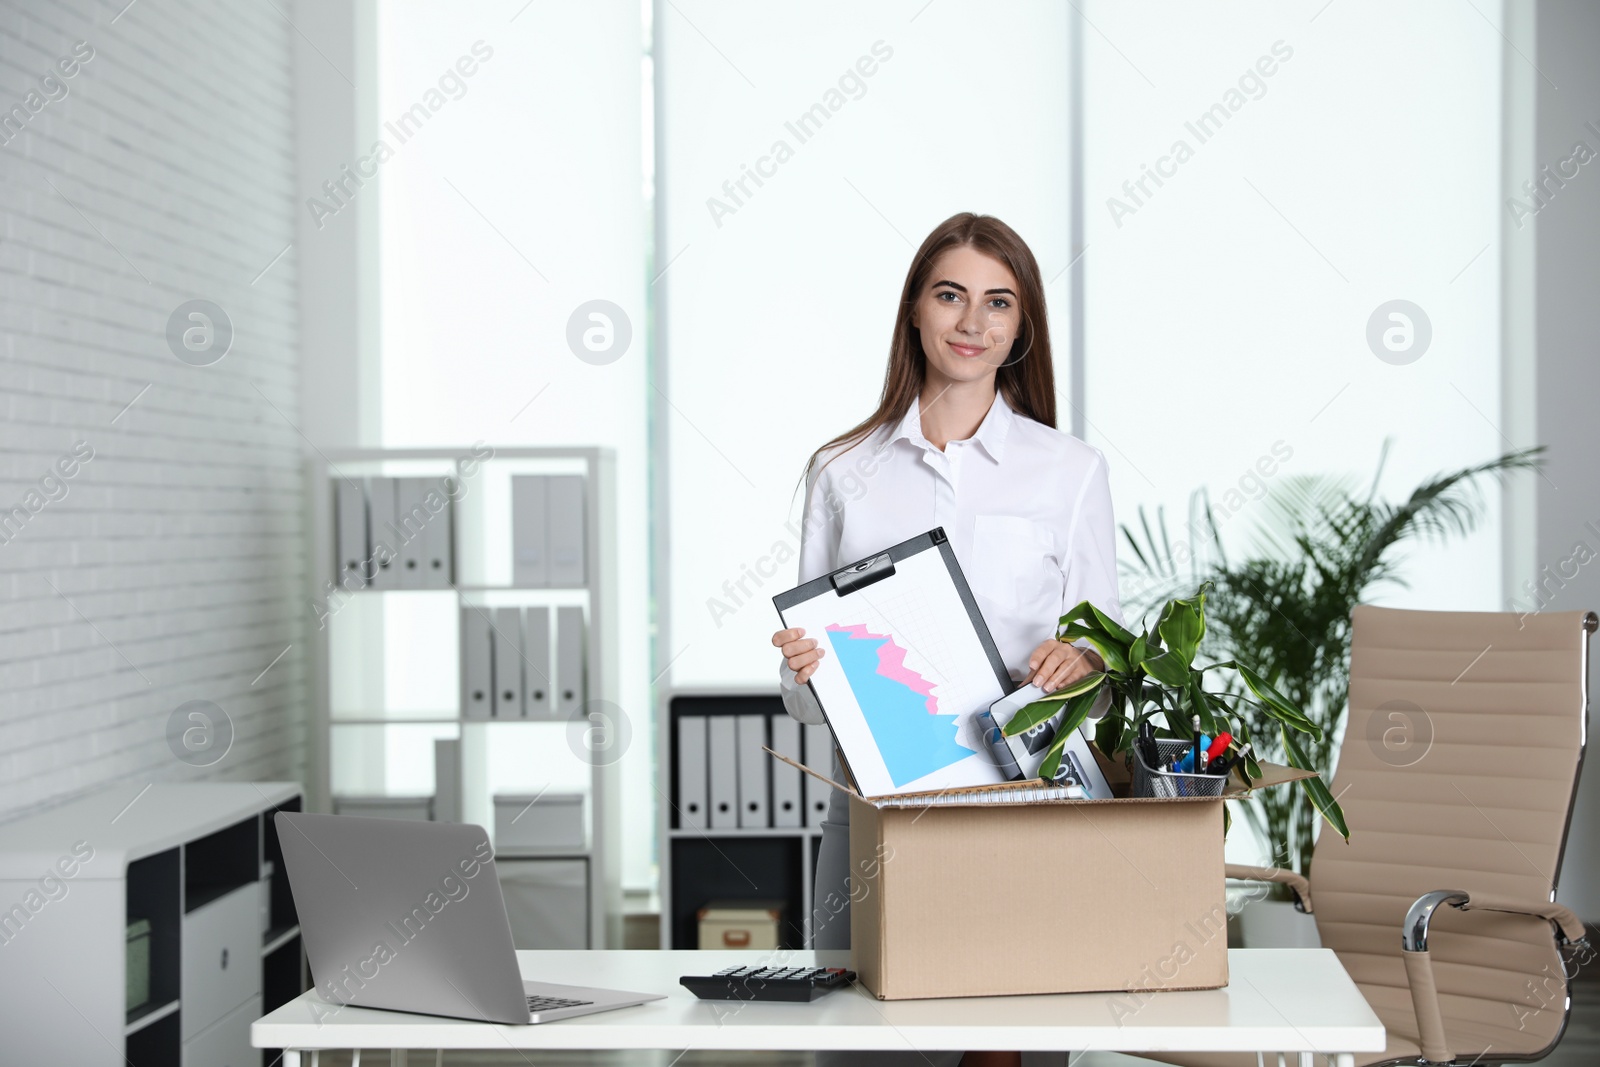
991	432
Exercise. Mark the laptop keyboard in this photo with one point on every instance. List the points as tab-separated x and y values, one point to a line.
537	1004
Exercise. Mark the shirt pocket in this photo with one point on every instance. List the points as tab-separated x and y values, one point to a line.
1014	564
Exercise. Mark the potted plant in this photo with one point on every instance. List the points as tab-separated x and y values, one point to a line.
1322	547
1152	676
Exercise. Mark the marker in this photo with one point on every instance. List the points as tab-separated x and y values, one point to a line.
1232	762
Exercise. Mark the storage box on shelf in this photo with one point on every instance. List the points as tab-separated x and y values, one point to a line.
147	926
740	825
488	682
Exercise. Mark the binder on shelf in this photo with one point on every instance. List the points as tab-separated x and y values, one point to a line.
788	803
692	772
538	678
477	674
530	531
819	753
410	527
722	770
564	516
447	779
508	663
570	681
350	540
380	525
753	760
438	571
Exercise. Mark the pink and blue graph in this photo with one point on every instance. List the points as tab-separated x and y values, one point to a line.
899	705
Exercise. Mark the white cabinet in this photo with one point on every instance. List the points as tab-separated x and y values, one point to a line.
221	957
226	1042
196	869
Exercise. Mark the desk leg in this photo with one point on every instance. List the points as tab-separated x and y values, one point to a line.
1344	1059
291	1057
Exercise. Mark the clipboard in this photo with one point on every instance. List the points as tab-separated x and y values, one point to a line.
909	665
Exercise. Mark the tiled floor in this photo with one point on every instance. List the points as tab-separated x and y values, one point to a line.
1580	1047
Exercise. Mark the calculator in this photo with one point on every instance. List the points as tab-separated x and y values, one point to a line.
768	983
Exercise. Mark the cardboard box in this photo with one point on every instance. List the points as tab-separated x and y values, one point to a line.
994	896
740	924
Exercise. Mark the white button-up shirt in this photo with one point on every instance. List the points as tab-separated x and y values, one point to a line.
1027	509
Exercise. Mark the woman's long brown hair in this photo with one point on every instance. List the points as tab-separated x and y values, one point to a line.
1026	379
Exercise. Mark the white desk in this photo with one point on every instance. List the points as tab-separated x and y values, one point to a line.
1280	1000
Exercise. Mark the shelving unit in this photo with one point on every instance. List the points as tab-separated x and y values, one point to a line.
731	863
199	863
387	665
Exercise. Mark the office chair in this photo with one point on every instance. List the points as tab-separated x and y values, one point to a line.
1457	775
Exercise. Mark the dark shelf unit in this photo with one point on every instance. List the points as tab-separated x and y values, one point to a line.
219	863
775	863
152	893
156	1045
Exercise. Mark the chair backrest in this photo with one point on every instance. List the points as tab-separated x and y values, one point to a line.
1457	771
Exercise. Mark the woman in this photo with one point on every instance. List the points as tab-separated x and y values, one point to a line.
963	437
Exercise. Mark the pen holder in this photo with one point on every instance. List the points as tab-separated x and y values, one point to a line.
1148	781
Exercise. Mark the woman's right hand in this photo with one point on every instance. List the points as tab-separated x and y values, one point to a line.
799	651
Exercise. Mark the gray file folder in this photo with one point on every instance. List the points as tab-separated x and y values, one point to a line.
350	541
508	663
437	540
530	531
385	545
571	684
753	762
411	527
819	757
565	539
722	768
692	772
787	802
538	676
477	679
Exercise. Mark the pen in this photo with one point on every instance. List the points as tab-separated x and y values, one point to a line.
1186	761
1199	767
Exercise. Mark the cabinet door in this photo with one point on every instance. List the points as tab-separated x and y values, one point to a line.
227	1042
221	957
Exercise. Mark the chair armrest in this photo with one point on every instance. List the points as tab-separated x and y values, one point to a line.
1419	964
1296	882
1414	936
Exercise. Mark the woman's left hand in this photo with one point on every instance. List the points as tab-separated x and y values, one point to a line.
1055	664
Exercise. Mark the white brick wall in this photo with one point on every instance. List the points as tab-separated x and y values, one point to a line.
180	543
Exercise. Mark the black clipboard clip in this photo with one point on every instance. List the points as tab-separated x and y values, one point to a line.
860	575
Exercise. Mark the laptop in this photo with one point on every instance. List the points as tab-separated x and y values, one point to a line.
408	916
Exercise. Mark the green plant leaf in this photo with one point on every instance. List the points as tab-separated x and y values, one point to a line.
1181	627
1198	704
1112	627
1115	654
1113	735
1249	768
1168	668
1042	710
1077	710
1138	650
1316	789
1276	704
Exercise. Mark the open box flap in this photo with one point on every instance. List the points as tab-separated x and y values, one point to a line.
1272	774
